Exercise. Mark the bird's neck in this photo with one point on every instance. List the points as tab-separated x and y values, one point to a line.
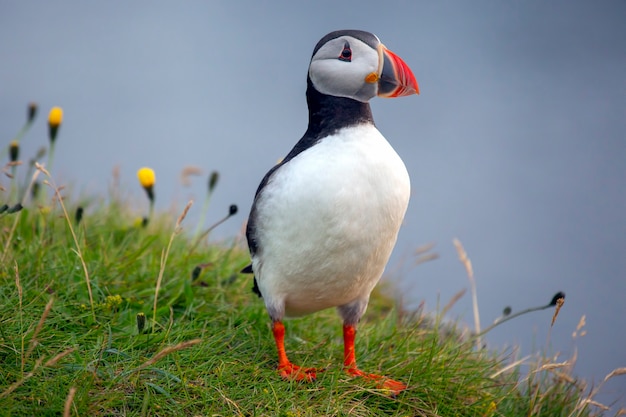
327	114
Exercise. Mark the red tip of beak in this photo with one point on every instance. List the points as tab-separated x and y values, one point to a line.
397	79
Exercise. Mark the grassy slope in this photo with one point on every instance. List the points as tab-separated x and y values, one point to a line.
230	368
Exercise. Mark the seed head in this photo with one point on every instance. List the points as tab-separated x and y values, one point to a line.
79	214
34	191
556	298
14	150
196	272
32	112
141	322
213	179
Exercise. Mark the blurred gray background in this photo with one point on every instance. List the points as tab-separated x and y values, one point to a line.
516	145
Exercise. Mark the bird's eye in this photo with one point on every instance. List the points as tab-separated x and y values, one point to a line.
346	54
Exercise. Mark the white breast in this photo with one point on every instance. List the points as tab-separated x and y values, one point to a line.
328	220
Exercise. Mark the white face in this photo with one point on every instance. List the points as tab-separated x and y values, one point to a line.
334	74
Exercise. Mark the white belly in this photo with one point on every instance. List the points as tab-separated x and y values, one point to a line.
328	220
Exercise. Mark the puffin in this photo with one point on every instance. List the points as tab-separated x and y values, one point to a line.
325	219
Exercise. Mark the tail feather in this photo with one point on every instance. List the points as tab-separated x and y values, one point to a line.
255	287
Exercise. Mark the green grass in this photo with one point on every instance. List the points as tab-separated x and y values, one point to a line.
210	350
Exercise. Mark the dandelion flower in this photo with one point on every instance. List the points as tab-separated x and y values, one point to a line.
147	179
55	118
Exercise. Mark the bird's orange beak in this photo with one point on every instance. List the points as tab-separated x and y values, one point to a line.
395	77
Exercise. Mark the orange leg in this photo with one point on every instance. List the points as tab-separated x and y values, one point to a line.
287	369
349	362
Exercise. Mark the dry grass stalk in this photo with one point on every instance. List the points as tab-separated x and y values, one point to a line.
183	215
426	258
68	402
20	293
455	298
420	250
565	377
615	372
187	172
164	256
170	349
550	366
233	403
470	275
510	366
53	361
589	399
18	285
581	323
69	224
559	304
33	340
573	359
5	169
422	254
595	403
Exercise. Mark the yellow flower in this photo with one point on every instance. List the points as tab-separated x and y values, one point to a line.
55	117
114	300
54	121
146	177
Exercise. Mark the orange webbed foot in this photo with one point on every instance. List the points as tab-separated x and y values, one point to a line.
382	382
296	373
349	363
287	369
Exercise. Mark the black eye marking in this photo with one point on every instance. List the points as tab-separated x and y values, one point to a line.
346	54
